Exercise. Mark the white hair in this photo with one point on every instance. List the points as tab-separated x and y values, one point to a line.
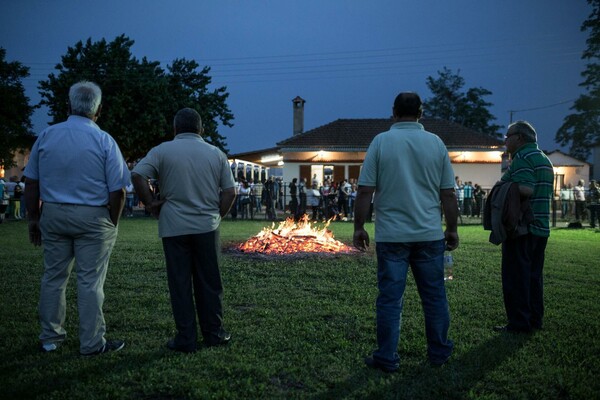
85	98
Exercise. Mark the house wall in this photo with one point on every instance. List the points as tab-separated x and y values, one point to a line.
570	168
21	159
572	175
484	174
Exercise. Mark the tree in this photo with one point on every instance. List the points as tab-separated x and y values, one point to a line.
582	129
15	111
139	98
450	103
189	89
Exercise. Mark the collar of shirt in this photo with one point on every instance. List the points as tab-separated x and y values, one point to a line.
188	135
408	125
525	147
82	120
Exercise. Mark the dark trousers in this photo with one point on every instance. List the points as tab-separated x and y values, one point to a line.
594	214
579	208
294	205
195	287
522	281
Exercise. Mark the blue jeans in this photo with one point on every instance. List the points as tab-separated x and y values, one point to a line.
426	261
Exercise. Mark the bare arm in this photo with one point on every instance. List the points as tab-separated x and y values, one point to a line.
362	205
116	201
450	207
226	201
32	201
142	188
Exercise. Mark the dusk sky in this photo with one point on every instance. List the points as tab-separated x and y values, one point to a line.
347	59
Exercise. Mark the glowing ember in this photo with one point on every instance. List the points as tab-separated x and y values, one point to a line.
291	237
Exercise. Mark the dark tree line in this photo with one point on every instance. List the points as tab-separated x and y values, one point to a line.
582	128
139	97
15	111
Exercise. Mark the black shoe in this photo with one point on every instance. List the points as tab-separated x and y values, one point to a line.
110	345
508	329
221	340
372	363
172	346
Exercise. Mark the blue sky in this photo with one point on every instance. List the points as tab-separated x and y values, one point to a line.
347	59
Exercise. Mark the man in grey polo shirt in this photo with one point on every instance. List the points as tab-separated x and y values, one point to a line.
196	189
78	172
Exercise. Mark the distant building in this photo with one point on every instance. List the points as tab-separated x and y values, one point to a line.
21	159
568	169
337	150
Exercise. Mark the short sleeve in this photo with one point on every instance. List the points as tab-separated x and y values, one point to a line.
227	180
368	173
32	170
148	166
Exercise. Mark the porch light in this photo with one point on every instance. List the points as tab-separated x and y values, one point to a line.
271	158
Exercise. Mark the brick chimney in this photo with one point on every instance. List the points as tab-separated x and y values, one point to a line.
298	115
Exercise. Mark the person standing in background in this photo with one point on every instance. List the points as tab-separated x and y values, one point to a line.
594	206
579	195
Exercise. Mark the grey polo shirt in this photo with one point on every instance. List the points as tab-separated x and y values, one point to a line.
191	174
408	167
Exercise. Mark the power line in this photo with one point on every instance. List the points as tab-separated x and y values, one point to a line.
538	108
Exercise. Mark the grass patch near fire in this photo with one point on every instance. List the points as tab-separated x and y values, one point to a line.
301	327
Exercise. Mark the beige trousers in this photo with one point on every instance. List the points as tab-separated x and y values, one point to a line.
80	236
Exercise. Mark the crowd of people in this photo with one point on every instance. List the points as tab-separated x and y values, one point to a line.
471	198
278	199
580	203
323	201
12	203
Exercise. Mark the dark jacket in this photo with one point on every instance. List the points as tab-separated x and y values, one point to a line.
506	215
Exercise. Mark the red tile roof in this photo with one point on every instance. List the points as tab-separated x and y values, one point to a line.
357	134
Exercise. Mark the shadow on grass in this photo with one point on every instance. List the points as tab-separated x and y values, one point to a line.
459	378
45	375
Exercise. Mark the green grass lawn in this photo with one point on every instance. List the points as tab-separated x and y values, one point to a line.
301	326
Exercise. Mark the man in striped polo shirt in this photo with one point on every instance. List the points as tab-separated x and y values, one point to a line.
523	257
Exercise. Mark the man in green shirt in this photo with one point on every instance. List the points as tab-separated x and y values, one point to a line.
523	257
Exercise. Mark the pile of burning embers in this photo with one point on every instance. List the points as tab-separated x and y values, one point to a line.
294	237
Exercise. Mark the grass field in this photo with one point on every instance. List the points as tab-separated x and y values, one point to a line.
301	327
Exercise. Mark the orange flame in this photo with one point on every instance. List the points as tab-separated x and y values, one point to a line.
291	237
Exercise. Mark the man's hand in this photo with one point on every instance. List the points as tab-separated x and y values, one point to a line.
155	206
360	239
35	235
451	240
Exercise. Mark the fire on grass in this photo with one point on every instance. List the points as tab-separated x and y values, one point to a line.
292	237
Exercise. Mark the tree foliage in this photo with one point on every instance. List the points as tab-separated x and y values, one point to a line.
139	98
450	103
582	128
15	111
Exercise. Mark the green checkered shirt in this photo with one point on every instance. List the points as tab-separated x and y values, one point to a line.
530	167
